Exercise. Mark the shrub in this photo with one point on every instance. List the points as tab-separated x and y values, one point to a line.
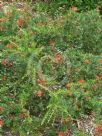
50	71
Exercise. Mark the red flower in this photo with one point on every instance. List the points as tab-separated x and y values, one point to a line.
39	93
86	61
99	130
1	20
1	123
43	82
22	115
20	22
100	61
4	62
41	23
58	57
81	81
61	133
9	46
1	108
73	8
1	5
37	81
4	78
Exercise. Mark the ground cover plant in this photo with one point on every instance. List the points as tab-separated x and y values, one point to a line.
50	69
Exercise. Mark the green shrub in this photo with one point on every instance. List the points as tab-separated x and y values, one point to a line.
50	71
56	7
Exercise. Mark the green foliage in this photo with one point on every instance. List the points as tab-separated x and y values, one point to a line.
50	69
56	7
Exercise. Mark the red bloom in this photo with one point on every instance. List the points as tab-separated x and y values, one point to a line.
61	133
37	81
41	23
73	8
99	130
58	57
4	78
39	93
100	61
1	20
1	5
1	108
43	82
1	123
86	61
4	62
9	46
81	81
22	115
20	22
